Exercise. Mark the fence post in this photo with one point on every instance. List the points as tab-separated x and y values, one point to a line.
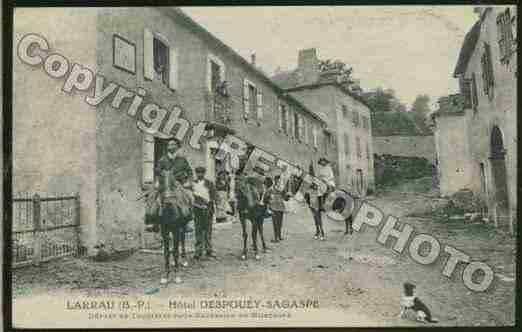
37	225
77	223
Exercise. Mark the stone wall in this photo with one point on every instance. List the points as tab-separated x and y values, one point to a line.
406	146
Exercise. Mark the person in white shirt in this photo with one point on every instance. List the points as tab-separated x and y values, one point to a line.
325	172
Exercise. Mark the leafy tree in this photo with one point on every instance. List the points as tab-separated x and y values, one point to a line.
419	111
383	100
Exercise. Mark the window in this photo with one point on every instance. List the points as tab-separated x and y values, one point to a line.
466	93
304	129
367	151
297	125
346	144
358	147
483	178
365	122
505	35
252	95
327	139
314	135
355	118
160	60
252	100
216	72
215	76
345	111
283	118
487	71
474	92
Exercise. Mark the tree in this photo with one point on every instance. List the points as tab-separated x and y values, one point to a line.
383	100
419	110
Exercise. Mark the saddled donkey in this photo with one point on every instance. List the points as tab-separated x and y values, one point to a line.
176	212
248	196
174	174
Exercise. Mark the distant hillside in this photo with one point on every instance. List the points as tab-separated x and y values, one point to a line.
395	124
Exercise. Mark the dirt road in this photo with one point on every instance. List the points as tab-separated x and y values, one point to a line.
352	273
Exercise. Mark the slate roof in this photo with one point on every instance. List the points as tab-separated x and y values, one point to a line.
470	41
289	81
183	18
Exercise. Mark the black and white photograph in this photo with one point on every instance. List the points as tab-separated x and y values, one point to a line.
261	166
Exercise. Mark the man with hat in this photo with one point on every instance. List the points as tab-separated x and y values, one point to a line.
204	206
174	176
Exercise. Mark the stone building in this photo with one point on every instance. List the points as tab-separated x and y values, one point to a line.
75	142
348	138
479	137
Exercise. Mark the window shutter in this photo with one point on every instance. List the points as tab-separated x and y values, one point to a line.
280	116
301	127
173	68
346	144
222	71
305	131
490	65
314	135
475	92
148	160
148	56
209	75
246	103
259	106
466	92
290	123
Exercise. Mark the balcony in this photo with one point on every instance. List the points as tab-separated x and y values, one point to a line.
218	110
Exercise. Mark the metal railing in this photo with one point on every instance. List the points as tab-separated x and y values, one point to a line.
44	228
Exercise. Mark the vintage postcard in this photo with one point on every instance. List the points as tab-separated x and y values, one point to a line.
310	166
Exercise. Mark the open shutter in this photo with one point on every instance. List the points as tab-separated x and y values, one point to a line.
209	75
314	134
259	106
246	102
290	123
222	71
280	116
173	68
305	131
148	55
148	160
301	125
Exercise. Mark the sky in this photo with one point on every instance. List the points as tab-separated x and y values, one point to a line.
410	49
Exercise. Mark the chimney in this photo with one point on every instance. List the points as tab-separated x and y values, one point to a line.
253	59
308	65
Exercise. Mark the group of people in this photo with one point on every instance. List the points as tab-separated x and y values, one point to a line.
178	197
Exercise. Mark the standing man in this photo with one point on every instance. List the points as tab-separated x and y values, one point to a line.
174	176
204	206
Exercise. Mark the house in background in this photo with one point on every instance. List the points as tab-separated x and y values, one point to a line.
348	138
62	144
481	133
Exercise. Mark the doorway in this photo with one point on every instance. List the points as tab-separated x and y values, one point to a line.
500	190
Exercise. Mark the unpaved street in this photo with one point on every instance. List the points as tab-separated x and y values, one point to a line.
353	273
